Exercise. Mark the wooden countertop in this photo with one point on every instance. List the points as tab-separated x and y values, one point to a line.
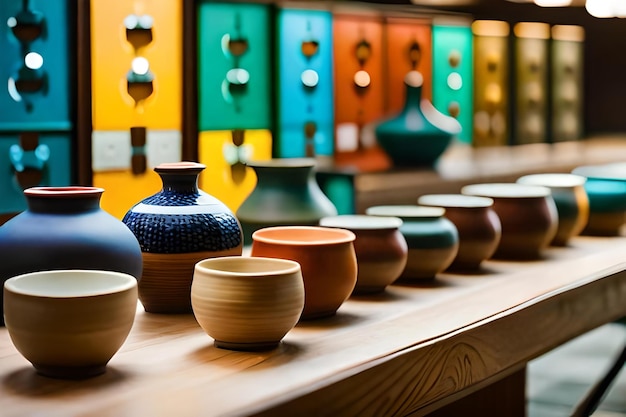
409	350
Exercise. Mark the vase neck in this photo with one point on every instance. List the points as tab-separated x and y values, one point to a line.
291	175
180	182
413	97
59	200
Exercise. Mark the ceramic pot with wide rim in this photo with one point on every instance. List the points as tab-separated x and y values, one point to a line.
247	303
176	228
477	223
65	228
286	194
432	240
528	216
381	250
570	197
326	256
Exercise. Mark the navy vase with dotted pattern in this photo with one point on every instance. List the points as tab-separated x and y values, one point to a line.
176	228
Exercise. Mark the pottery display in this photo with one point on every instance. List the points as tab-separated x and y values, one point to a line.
176	228
419	134
528	216
247	303
570	197
433	240
477	223
65	228
70	323
286	194
606	190
326	256
381	250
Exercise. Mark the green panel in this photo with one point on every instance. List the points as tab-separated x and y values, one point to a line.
234	58
339	189
450	43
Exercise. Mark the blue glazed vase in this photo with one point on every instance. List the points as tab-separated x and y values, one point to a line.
176	228
419	134
65	228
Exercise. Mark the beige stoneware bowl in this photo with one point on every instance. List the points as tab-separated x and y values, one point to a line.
70	323
247	303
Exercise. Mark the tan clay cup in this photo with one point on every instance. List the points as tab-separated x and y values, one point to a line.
477	223
381	250
570	197
528	216
247	303
70	323
326	256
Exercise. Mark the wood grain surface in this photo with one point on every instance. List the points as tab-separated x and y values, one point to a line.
410	350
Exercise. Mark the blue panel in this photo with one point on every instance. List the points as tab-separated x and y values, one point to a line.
453	62
55	160
299	104
47	105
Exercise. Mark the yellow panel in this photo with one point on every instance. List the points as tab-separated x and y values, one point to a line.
224	178
112	54
123	189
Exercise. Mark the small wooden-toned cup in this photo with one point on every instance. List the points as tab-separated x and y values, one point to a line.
432	239
70	323
570	197
247	303
381	250
528	216
477	223
326	256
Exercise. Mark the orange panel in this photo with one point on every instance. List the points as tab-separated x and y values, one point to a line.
112	55
401	34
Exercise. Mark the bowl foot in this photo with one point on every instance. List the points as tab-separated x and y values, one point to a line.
255	346
70	372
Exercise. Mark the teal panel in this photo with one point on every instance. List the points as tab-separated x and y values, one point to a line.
453	74
35	66
234	58
339	189
305	55
52	158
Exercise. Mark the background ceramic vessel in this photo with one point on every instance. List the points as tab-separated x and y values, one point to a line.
570	197
70	323
247	303
433	240
528	216
286	194
65	228
176	228
419	134
327	259
606	190
381	250
477	223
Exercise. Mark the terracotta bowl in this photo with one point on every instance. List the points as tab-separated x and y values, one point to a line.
606	190
381	250
570	197
326	256
528	216
477	223
247	303
433	240
70	323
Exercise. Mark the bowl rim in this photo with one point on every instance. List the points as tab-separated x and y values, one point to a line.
553	180
284	266
406	211
602	171
455	201
343	236
508	190
283	163
361	222
124	282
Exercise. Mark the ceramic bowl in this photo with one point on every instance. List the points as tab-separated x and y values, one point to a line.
570	197
433	240
606	190
326	256
247	303
69	323
381	250
528	216
477	223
